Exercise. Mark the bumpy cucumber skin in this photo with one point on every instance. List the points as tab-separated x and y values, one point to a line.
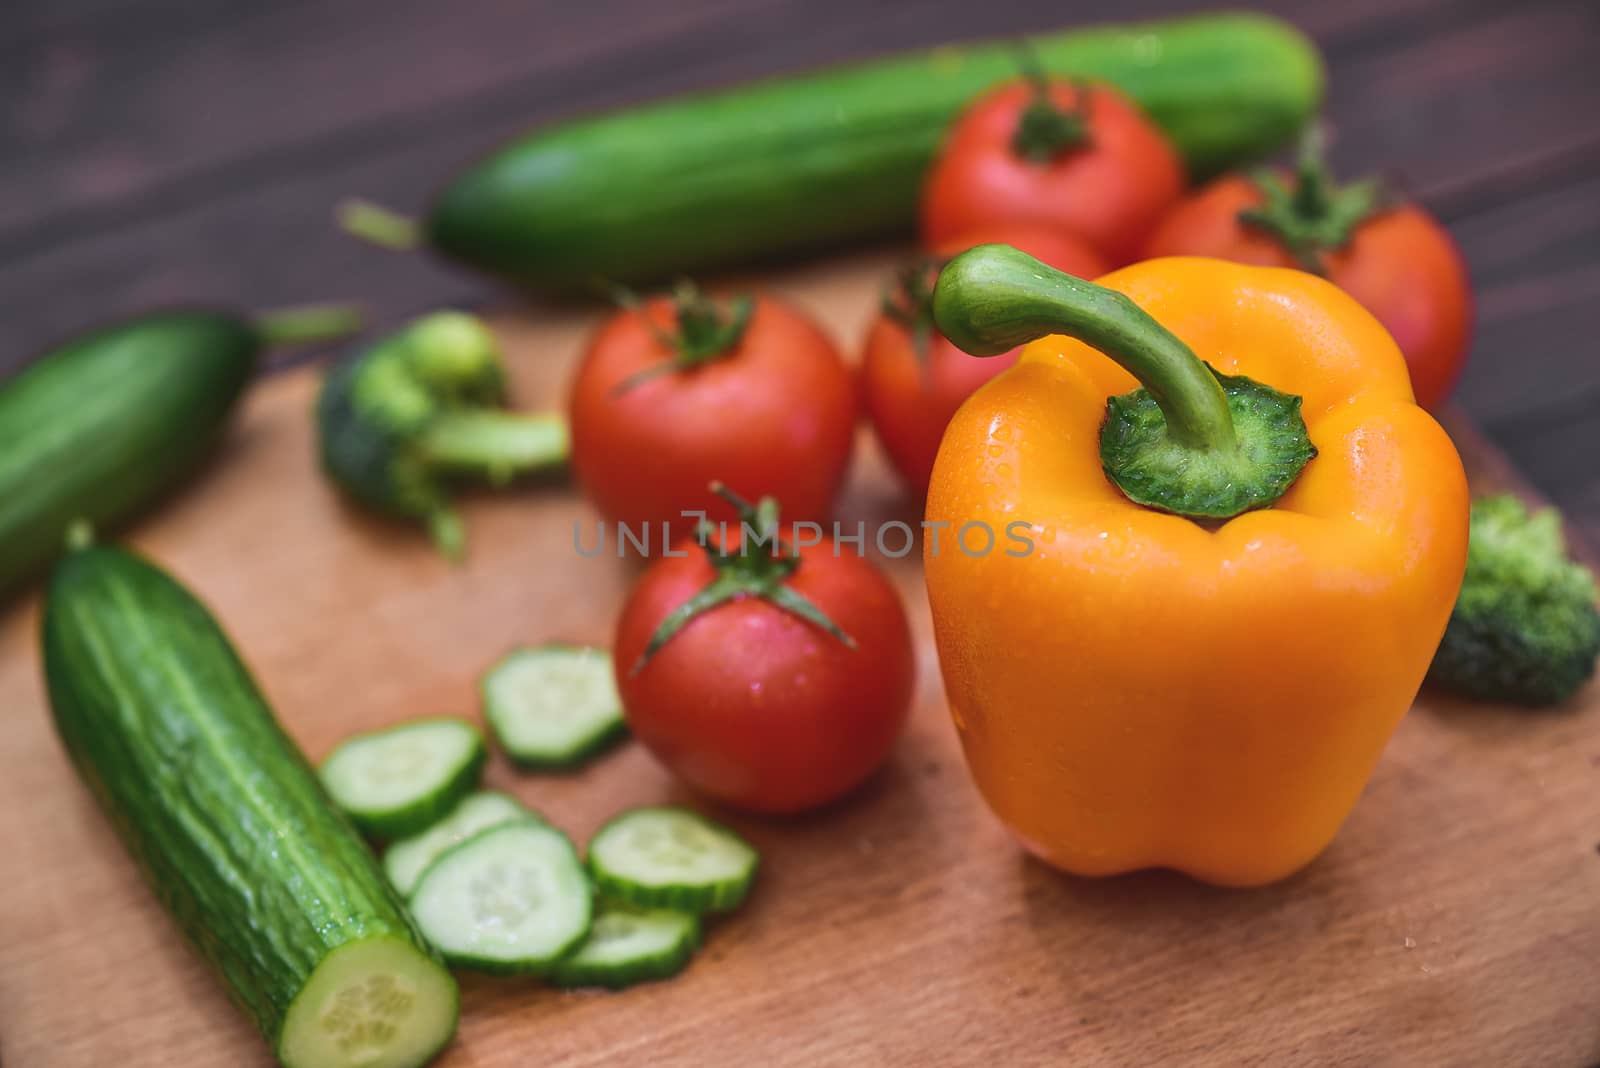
714	897
100	426
389	825
528	760
539	967
572	973
216	804
800	162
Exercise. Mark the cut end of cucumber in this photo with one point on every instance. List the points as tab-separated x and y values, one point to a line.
377	1003
554	706
397	782
672	858
407	859
511	899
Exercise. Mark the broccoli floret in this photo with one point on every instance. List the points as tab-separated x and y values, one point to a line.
1525	629
421	409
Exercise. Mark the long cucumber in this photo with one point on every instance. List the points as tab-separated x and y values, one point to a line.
230	824
798	162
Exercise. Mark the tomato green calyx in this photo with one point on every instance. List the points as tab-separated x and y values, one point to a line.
706	330
1189	440
1312	215
1046	131
908	301
758	568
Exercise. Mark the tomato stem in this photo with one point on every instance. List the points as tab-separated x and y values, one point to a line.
1046	131
705	330
744	573
1189	440
1312	215
908	301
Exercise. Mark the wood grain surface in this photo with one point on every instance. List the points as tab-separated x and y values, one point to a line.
165	150
1454	922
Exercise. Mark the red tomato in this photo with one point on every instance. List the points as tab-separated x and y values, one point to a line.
772	415
1111	189
1058	248
1399	263
755	706
912	395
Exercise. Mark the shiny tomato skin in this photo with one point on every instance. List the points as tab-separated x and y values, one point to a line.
1060	249
774	416
1401	264
755	707
911	400
1110	192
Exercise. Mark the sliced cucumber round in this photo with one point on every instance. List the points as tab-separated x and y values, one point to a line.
628	945
671	858
553	706
396	782
405	860
375	1003
509	900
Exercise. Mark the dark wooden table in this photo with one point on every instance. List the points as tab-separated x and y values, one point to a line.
159	150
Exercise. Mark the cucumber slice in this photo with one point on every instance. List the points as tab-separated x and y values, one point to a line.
628	945
398	781
376	1003
671	858
509	900
553	706
407	859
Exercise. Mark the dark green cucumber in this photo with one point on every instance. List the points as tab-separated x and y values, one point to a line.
229	823
100	426
799	162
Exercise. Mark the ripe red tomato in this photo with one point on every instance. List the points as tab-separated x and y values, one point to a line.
675	394
753	705
1006	160
1399	263
912	387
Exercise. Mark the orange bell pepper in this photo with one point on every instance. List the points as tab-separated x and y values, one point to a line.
1203	681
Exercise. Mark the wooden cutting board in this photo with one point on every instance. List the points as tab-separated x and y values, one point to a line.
1455	921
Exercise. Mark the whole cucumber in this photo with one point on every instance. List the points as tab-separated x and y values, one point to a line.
100	426
230	824
798	162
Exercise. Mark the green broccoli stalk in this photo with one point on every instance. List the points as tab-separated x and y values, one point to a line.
424	408
1525	629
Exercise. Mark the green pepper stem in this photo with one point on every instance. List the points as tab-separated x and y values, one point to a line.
992	298
1189	441
377	225
309	324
